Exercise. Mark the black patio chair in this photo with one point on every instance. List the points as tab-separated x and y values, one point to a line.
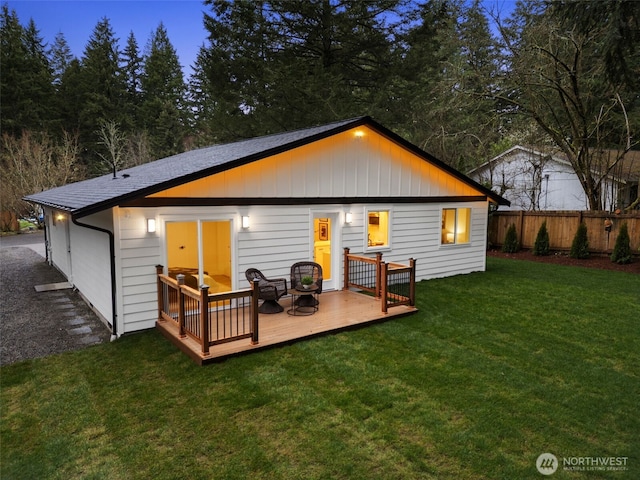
306	269
269	290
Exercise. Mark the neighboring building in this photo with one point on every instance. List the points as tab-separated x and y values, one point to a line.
534	180
266	203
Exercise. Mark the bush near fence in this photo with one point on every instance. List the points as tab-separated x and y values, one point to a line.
562	227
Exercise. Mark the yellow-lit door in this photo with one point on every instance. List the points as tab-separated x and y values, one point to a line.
323	227
200	250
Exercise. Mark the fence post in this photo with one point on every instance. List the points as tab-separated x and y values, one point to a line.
412	282
378	274
254	311
204	318
181	333
383	275
345	285
159	269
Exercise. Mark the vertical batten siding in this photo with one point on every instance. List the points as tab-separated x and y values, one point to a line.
338	166
91	262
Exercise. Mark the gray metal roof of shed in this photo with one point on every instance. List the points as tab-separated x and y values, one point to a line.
100	193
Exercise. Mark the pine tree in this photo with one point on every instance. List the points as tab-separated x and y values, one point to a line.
132	72
26	89
541	245
163	96
580	244
510	244
60	57
622	249
102	88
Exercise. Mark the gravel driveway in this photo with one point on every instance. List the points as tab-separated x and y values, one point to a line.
36	324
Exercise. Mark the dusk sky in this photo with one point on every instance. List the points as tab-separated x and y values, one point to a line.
183	19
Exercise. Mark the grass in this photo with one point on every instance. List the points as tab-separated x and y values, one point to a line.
495	369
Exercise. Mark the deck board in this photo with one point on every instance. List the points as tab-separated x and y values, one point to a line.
338	310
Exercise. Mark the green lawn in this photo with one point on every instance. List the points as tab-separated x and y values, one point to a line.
495	369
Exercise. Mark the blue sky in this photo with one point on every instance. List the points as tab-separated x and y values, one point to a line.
183	20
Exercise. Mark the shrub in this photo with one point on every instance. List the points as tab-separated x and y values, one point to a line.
622	249
541	245
580	245
510	244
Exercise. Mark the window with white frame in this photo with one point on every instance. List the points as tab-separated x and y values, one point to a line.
456	226
378	228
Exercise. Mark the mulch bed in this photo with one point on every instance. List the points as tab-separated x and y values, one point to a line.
562	258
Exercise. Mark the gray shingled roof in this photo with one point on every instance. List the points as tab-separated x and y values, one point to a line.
96	194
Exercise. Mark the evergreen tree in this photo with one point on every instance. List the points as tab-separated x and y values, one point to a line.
201	101
622	249
580	244
60	57
163	96
102	87
26	89
275	65
541	245
450	62
510	244
132	71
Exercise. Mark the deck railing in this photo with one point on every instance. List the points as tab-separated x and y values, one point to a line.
210	319
393	283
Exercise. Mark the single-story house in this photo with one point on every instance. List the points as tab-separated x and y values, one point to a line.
534	179
266	203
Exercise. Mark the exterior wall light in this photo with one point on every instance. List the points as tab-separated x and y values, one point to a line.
348	217
245	221
151	225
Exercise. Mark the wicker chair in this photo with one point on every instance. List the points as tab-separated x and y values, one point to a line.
269	290
306	269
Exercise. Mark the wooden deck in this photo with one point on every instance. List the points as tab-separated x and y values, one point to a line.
338	310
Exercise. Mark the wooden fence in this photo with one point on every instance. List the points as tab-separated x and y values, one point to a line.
562	226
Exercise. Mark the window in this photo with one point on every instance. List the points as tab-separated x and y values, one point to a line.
378	228
456	225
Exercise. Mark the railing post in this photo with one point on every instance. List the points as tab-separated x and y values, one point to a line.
159	269
383	275
181	333
346	269
412	282
378	275
204	318
254	311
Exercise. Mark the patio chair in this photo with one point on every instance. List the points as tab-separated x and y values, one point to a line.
269	290
306	269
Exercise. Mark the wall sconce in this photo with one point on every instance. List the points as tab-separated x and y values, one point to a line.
60	217
151	225
358	134
245	221
348	217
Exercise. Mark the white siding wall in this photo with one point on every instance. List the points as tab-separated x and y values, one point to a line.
91	263
138	252
280	236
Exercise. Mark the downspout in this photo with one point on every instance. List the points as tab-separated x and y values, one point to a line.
112	259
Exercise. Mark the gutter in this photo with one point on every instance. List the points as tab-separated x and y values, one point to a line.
112	260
